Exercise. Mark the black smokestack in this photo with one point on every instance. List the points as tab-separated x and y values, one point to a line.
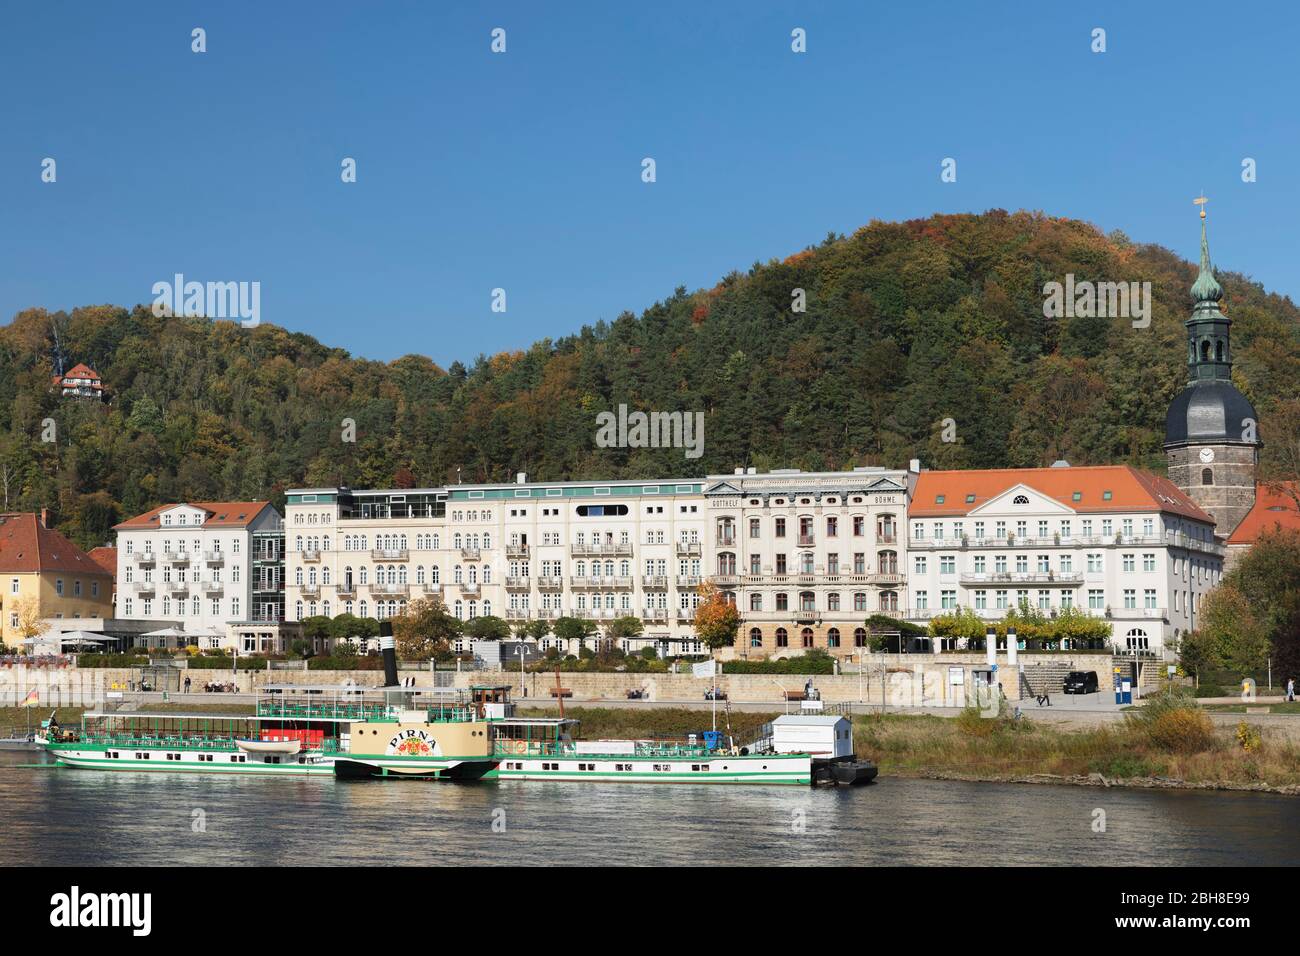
388	651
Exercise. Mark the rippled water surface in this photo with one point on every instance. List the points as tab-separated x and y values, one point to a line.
84	817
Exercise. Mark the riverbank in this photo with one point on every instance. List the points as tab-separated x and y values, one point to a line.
1183	751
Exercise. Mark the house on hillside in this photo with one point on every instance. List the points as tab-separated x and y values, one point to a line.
81	381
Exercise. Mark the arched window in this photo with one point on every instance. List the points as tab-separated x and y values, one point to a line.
859	637
755	637
1205	350
887	561
726	563
1218	350
1207	476
782	638
889	600
806	635
833	637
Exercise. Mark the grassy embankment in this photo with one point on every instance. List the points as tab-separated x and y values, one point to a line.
1168	742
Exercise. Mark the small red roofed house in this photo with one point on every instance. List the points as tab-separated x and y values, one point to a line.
81	381
1276	506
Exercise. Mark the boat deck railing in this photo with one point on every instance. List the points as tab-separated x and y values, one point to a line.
184	742
533	748
324	710
371	712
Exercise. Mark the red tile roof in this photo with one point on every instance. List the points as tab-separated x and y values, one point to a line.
80	370
1272	509
106	558
28	546
1129	488
220	514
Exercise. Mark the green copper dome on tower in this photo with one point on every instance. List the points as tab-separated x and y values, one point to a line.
1210	409
1206	288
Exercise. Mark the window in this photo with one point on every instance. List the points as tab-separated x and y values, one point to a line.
782	638
1207	476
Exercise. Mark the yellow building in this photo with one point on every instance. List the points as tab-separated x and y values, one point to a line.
44	575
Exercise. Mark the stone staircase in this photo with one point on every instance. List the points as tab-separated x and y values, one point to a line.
1043	678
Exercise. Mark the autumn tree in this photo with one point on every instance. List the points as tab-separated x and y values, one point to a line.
425	629
716	619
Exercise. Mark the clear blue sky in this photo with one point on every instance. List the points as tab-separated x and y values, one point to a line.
522	170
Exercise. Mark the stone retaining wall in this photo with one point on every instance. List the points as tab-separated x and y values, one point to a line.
917	680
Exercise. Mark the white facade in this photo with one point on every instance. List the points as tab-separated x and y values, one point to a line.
192	563
598	550
1144	569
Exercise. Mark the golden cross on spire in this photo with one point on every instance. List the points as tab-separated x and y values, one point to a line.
1201	201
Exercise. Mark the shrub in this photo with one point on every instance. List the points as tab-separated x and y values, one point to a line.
1249	737
1185	731
972	723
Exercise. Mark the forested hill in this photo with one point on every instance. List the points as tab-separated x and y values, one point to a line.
907	324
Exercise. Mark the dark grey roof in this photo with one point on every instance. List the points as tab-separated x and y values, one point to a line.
1210	412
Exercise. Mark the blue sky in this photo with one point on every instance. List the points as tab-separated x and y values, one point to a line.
522	170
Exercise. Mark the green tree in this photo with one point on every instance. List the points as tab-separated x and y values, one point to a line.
486	628
569	629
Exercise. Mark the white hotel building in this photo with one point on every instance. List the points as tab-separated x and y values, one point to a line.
203	566
539	550
1119	543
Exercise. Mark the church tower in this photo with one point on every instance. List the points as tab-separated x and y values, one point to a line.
1211	431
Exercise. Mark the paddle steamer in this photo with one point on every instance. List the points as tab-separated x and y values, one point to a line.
445	734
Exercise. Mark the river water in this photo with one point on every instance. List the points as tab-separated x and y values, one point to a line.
62	816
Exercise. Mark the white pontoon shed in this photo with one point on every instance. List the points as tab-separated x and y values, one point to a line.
822	736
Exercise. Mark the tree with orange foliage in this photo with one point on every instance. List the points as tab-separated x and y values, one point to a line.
716	619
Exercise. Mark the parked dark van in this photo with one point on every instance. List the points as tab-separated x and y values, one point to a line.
1081	682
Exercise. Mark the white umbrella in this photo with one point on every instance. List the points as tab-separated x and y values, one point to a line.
164	632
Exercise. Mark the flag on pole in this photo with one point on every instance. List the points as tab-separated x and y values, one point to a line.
707	669
32	699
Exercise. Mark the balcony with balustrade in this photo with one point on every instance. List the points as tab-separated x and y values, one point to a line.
654	582
519	551
309	557
176	557
212	587
389	554
1055	578
654	614
391	590
607	549
143	557
688	580
689	549
517	583
550	583
214	557
471	554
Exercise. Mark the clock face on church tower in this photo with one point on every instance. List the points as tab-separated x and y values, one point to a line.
1207	455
